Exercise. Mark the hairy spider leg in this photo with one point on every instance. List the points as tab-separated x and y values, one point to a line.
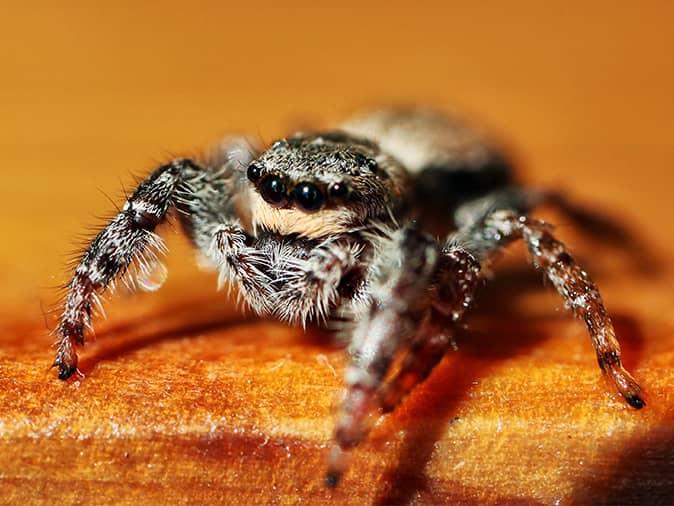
127	238
201	194
410	292
456	280
578	291
280	278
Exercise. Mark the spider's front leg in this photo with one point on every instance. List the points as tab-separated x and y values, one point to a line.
457	280
233	250
129	235
283	279
312	286
416	282
201	193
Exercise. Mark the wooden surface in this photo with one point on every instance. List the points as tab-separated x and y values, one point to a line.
187	400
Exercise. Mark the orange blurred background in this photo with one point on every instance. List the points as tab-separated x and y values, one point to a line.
583	94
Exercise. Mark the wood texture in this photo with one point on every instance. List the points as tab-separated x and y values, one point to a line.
187	400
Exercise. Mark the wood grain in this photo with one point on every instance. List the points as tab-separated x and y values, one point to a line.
188	400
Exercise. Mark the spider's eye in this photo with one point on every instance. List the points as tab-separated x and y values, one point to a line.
338	190
273	190
254	172
308	197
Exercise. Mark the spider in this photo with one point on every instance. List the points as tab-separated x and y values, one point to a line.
334	226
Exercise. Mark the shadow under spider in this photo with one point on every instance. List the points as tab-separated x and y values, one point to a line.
642	474
178	321
481	349
502	335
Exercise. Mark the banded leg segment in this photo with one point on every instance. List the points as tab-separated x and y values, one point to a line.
450	291
485	238
128	237
457	280
579	292
416	282
202	195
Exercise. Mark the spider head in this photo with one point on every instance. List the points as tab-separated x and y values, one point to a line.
323	184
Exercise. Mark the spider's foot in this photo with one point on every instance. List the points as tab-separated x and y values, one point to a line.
624	382
66	363
332	479
336	467
635	401
66	371
630	391
627	386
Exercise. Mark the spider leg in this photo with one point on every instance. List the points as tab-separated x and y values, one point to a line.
200	193
457	279
312	286
233	250
574	285
421	358
502	219
407	290
484	237
450	291
430	347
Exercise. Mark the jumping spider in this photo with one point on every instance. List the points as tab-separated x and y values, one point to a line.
329	227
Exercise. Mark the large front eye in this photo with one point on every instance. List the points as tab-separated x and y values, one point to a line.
273	190
308	197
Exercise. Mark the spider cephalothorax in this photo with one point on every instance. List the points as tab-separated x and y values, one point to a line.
323	184
333	226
